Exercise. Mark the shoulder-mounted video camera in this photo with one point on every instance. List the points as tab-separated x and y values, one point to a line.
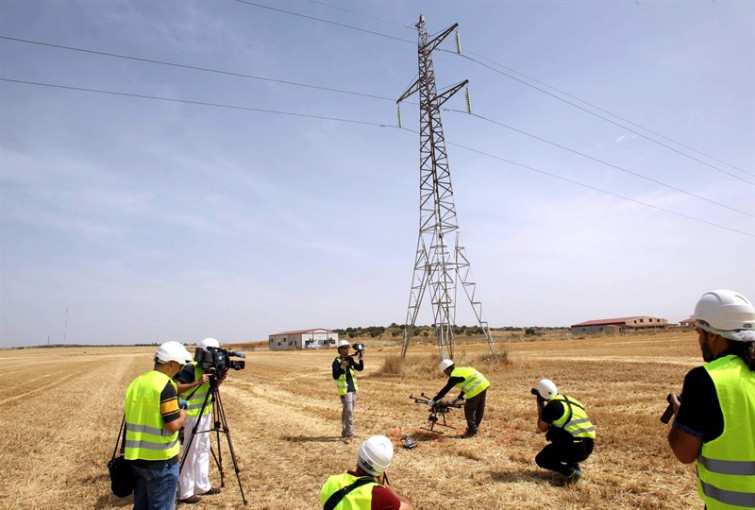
217	361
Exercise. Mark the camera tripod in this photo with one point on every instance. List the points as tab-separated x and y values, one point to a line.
219	425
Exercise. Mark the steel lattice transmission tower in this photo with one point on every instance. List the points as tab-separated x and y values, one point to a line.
440	262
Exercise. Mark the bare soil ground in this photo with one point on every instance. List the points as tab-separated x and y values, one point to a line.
60	410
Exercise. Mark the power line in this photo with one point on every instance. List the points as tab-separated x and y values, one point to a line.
367	123
595	188
650	179
391	99
361	14
609	113
608	120
195	68
372	96
342	25
351	27
201	103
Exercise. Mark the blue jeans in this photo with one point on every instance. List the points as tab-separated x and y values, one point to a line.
155	489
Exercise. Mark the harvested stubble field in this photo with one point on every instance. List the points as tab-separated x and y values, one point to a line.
61	408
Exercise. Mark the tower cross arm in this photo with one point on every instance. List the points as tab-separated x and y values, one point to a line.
446	95
435	41
411	90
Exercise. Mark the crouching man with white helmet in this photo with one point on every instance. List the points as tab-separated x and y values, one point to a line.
567	427
194	386
366	487
715	418
153	420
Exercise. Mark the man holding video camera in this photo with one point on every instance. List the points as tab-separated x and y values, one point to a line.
569	431
346	383
715	417
194	387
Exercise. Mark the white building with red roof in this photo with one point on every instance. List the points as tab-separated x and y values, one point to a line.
302	339
619	325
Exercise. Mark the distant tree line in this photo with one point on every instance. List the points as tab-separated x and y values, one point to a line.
397	330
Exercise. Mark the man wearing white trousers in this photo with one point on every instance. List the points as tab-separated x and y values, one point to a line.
193	386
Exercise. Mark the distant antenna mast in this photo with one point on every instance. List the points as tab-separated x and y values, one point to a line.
434	265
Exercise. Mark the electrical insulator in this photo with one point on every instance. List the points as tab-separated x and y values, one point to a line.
458	43
398	111
469	102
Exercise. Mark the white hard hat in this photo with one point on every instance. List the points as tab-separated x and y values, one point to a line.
444	364
173	351
375	455
725	310
209	342
547	389
343	343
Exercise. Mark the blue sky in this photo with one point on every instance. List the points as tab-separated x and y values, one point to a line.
128	218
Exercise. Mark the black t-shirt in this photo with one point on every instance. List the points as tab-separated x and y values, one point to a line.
700	413
552	411
452	381
186	376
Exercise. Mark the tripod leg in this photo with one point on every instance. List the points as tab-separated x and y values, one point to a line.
216	410
221	419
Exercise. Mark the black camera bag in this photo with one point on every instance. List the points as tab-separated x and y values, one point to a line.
121	476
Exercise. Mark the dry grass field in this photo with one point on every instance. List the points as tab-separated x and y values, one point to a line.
61	407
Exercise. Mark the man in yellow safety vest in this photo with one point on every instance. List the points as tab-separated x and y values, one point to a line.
570	432
473	386
343	368
194	385
366	487
714	422
153	420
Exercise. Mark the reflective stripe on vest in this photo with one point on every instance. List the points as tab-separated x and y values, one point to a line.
474	382
197	398
342	384
358	499
146	436
726	465
574	420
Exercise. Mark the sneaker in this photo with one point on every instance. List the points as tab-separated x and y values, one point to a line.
574	477
190	500
211	492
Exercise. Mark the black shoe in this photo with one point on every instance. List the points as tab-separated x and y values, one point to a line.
190	500
573	477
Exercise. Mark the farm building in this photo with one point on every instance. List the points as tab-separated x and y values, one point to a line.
302	339
619	325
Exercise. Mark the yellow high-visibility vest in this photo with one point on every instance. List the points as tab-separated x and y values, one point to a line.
146	435
726	465
341	383
474	382
357	499
197	397
574	420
